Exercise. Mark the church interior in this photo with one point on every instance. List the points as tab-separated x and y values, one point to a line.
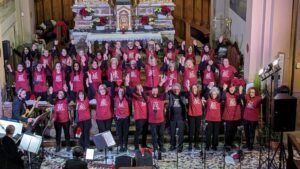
149	84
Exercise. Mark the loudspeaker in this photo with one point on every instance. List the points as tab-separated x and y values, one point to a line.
143	157
284	114
6	49
123	161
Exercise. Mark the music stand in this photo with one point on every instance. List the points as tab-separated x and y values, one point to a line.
31	144
18	129
103	141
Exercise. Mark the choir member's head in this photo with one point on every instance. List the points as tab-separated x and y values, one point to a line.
152	61
46	53
214	93
81	53
26	50
252	92
81	95
94	64
58	66
133	64
106	45
39	66
171	66
34	47
189	64
170	45
169	55
118	45
102	89
195	89
208	68
121	92
154	91
21	94
130	44
176	88
20	68
231	88
206	48
60	94
76	67
64	52
114	63
99	55
151	45
137	43
226	62
190	50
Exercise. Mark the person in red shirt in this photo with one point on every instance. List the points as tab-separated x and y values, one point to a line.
46	58
133	71
152	71
65	59
171	52
58	78
122	117
96	74
60	116
82	116
190	54
131	51
114	72
195	112
213	118
117	51
208	77
227	72
252	102
232	112
190	72
104	113
82	58
156	117
40	80
150	51
21	77
77	78
140	114
170	72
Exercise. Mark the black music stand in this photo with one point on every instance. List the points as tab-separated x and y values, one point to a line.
103	141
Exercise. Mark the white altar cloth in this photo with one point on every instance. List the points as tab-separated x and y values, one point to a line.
156	36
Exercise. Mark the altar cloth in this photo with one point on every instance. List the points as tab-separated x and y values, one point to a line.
128	36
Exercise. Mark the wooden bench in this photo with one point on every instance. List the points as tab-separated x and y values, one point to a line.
293	144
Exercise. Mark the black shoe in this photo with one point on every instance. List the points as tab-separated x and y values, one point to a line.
172	148
245	146
163	150
136	148
122	149
190	147
214	148
227	148
250	148
180	149
196	146
207	148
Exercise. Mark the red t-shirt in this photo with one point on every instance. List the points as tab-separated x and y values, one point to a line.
39	79
152	75
226	74
60	111
135	77
58	80
195	105
96	75
121	107
140	107
77	80
22	81
213	110
252	108
208	76
83	109
232	110
103	107
156	108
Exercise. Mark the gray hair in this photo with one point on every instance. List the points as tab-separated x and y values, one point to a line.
214	89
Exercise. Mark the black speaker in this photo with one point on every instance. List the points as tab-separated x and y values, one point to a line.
6	49
284	114
143	157
123	161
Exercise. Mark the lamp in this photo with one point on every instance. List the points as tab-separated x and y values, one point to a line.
269	70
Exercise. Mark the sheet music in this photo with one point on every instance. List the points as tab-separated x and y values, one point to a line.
109	139
31	143
89	154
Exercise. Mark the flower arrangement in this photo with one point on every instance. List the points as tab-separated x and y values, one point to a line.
100	21
86	11
164	10
145	20
238	82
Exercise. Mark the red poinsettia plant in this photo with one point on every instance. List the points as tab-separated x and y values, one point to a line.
165	10
238	82
144	20
86	11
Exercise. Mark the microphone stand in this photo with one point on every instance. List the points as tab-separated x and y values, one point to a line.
176	148
224	148
202	146
240	151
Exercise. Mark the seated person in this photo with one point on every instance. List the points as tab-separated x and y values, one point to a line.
12	158
76	162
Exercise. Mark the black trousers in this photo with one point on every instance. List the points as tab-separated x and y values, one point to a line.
230	131
66	127
194	129
104	125
180	125
122	131
85	127
141	128
157	133
250	127
212	133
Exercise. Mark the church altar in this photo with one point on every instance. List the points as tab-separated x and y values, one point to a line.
123	20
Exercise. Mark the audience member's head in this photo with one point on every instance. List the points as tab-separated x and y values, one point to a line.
77	151
10	129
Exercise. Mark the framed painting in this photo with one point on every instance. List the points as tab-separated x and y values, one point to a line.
239	7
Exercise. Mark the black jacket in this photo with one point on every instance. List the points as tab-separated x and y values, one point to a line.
182	100
12	157
18	109
75	164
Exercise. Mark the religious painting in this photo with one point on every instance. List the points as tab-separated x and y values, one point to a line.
239	7
124	20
